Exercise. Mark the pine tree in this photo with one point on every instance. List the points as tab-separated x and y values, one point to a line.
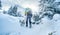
13	11
46	7
0	4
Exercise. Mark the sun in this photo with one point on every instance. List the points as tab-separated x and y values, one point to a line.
33	7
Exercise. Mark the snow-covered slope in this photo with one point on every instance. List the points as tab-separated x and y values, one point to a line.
11	25
8	24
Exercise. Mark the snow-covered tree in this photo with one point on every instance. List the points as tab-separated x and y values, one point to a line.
0	4
46	7
51	33
13	11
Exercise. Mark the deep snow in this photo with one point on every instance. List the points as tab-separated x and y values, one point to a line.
11	25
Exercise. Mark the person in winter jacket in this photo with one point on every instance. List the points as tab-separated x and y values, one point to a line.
28	13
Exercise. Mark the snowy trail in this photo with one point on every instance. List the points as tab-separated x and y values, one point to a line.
48	26
11	25
41	29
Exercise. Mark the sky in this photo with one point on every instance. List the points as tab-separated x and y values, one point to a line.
33	4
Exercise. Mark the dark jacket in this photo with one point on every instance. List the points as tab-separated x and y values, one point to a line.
29	14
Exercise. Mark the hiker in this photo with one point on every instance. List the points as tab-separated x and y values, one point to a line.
28	14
